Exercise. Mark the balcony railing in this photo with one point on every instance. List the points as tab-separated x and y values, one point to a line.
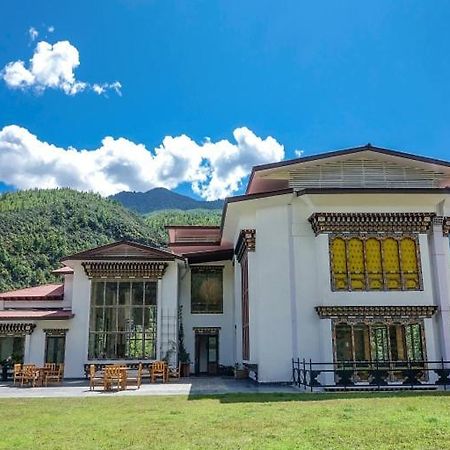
373	375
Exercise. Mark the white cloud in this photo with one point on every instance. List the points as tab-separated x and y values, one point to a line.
51	29
33	33
52	67
299	153
214	169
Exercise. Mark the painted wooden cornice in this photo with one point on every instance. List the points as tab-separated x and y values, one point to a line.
376	312
125	269
371	222
14	329
246	242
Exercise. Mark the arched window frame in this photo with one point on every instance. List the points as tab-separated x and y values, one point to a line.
346	237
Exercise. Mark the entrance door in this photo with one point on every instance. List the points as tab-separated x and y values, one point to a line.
206	354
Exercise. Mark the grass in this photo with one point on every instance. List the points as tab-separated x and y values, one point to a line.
253	421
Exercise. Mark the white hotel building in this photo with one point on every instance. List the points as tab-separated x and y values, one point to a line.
339	256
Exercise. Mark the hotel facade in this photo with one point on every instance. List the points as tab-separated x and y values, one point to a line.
342	256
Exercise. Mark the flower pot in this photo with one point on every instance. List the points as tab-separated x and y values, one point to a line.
240	374
185	369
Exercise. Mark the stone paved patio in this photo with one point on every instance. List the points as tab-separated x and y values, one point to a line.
185	386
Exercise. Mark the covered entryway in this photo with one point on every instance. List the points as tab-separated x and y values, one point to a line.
206	351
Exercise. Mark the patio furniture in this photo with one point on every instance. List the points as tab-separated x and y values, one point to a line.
159	370
17	375
117	375
94	379
50	366
54	374
30	374
137	380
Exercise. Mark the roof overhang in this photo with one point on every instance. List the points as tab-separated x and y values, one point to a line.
35	314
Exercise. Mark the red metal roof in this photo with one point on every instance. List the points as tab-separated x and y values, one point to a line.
44	292
21	314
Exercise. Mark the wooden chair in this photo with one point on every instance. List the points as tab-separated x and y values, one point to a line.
112	375
94	379
175	372
17	376
50	366
54	375
159	370
138	379
29	374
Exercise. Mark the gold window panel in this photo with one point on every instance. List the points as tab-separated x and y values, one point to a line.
375	263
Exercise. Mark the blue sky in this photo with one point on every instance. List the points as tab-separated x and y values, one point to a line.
314	76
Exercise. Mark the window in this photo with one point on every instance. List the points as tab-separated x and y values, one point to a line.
378	342
123	320
375	263
55	347
245	309
206	290
12	346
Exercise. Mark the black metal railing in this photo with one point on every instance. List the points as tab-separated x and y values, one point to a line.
373	375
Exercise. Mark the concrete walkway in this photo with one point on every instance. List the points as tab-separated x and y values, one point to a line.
185	386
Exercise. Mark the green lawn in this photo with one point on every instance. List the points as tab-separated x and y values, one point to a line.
283	421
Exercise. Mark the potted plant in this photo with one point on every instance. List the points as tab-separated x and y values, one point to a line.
183	356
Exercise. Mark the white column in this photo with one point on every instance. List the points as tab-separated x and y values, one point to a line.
26	352
293	284
440	262
159	319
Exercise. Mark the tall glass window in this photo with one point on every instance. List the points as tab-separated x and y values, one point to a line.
123	320
378	342
206	290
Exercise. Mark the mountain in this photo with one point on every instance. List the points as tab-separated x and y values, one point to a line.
161	198
39	227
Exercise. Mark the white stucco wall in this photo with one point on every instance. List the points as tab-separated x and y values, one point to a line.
223	321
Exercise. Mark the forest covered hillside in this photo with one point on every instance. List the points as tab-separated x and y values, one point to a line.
160	198
39	227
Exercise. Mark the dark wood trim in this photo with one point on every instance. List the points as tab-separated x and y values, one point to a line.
209	256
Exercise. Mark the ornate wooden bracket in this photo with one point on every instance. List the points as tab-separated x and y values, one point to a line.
246	242
371	222
15	329
152	270
376	312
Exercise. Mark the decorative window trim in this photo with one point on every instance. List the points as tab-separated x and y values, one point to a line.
56	332
381	237
446	226
376	313
371	222
128	270
207	330
16	329
245	242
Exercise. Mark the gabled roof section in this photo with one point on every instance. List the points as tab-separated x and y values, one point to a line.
185	235
124	250
38	293
366	166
